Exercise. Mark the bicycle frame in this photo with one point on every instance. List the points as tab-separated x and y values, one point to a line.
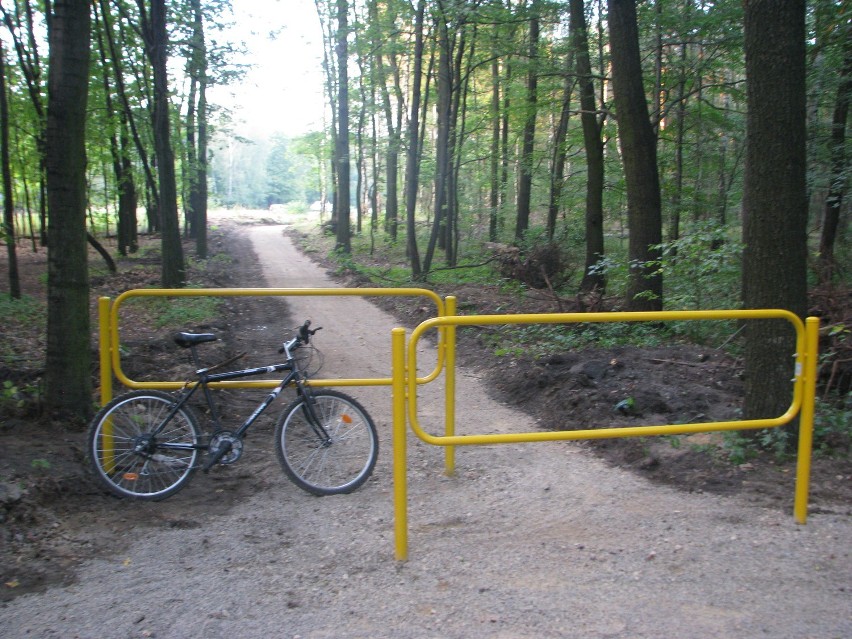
294	376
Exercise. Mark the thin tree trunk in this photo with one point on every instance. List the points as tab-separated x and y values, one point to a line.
839	168
392	122
557	171
198	144
593	278
639	154
442	146
412	159
360	168
126	235
494	190
29	63
457	137
343	196
8	192
522	222
677	197
156	35
115	57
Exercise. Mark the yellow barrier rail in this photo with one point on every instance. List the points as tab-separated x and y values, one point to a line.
404	379
405	395
110	338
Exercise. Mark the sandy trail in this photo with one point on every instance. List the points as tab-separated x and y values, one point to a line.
526	541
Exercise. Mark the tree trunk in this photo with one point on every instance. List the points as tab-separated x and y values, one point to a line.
343	196
190	149
443	140
557	171
8	192
593	279
522	222
68	372
360	167
639	154
677	197
494	190
393	122
128	120
173	267
837	187
29	63
121	166
412	159
775	203
458	108
198	166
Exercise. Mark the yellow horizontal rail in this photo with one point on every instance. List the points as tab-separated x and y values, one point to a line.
604	433
110	338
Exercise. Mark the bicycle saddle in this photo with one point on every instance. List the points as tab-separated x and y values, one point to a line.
185	340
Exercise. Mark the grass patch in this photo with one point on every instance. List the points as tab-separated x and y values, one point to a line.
175	312
25	311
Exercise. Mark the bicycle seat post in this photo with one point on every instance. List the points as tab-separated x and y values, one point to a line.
195	359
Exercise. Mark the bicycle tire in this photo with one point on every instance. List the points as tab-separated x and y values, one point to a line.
115	432
338	466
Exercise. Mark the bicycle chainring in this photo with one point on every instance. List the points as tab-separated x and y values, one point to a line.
236	446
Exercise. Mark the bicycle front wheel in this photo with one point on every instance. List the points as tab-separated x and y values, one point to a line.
334	454
129	459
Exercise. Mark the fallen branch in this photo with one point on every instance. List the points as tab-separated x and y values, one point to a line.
672	361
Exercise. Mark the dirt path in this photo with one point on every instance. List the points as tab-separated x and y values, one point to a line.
526	541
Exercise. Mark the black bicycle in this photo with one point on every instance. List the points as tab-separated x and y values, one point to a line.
146	444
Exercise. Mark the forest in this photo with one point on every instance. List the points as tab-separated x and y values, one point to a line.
638	155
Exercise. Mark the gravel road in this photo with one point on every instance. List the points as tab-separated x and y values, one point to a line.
525	541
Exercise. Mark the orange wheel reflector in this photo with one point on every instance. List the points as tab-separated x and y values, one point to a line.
346	419
131	476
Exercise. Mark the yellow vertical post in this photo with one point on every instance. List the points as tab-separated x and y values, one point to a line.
806	420
400	492
105	356
450	388
104	349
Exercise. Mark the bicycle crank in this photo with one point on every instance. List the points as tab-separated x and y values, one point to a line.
232	444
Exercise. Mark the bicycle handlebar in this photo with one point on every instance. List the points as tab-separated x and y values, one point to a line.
303	337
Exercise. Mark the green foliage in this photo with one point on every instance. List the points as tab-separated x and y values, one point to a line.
832	436
541	340
738	448
701	271
833	427
40	464
10	396
15	399
702	268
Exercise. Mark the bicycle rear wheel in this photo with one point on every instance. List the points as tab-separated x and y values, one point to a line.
128	460
331	465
